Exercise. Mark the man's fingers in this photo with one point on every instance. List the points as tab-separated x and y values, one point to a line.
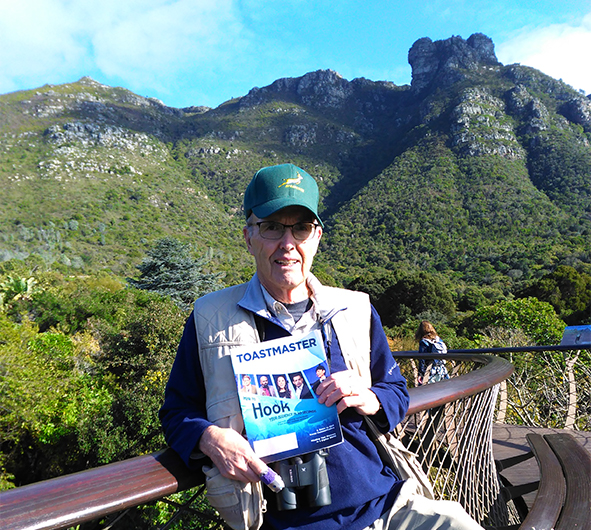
231	454
338	386
347	390
258	467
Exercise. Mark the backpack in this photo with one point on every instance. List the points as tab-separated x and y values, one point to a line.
437	346
438	370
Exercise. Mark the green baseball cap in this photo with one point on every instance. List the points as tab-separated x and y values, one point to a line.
275	187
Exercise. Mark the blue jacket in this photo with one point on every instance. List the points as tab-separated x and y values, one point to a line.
362	487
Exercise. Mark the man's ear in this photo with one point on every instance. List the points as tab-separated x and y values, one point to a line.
246	232
319	232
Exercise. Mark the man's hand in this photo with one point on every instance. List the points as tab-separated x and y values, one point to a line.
231	454
348	390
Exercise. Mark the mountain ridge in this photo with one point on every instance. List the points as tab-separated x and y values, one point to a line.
93	174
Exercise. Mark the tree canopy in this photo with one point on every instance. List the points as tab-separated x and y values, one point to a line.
170	270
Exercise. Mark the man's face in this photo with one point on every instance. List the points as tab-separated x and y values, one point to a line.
284	265
245	380
320	373
264	381
297	381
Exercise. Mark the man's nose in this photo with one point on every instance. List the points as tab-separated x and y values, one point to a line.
287	240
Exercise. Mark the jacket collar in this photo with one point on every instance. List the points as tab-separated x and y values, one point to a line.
326	304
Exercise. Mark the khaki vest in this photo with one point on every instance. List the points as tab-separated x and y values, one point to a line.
221	324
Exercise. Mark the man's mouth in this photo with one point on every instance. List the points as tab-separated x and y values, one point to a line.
286	261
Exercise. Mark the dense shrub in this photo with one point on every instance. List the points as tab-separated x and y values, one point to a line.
413	295
85	388
567	290
537	319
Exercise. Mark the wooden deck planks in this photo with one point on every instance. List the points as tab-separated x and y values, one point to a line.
510	440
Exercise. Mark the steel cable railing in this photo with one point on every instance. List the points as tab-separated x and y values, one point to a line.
453	438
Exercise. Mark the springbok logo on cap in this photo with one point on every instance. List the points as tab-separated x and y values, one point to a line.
293	183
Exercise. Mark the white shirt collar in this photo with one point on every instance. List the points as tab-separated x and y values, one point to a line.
308	322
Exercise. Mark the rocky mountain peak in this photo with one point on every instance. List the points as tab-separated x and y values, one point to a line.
444	60
320	89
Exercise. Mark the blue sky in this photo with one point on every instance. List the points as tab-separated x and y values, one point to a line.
204	52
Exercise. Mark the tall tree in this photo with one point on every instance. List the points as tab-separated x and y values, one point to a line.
170	270
569	292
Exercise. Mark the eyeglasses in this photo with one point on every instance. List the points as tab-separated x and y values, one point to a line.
274	230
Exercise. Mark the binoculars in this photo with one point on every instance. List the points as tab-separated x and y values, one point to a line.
306	481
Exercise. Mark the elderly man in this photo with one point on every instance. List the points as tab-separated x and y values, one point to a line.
201	413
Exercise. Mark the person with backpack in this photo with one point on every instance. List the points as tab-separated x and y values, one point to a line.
430	342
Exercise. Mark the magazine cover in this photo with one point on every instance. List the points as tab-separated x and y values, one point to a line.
276	380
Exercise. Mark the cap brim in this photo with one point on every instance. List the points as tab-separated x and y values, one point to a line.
272	206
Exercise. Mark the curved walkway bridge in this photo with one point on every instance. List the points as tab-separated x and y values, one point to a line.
505	476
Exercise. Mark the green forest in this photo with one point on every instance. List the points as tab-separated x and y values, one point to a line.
84	358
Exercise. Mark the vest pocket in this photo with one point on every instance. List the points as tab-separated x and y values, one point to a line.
240	504
225	412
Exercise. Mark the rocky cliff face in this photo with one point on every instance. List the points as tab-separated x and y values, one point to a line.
578	110
322	89
479	126
444	60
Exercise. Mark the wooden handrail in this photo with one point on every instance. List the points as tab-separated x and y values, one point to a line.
70	500
551	489
80	497
576	465
496	351
495	370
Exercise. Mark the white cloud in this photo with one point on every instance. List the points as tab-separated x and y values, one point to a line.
167	39
559	50
37	37
142	42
